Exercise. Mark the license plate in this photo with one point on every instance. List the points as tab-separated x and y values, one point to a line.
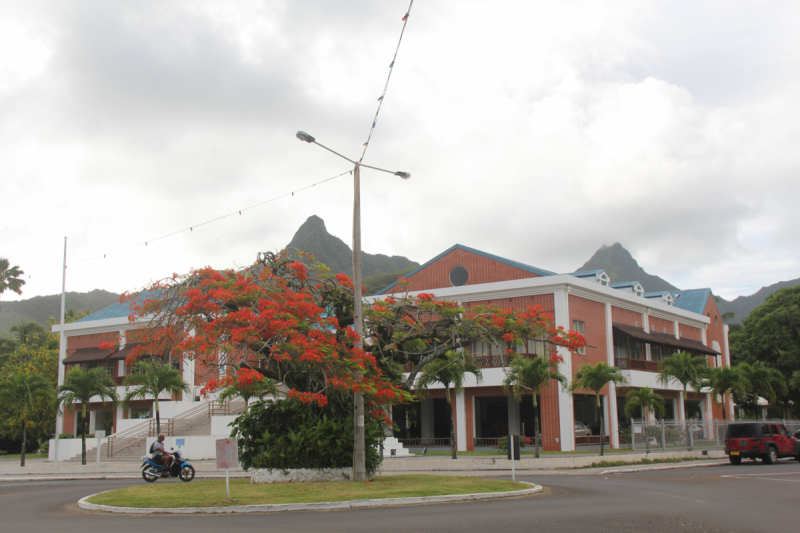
734	453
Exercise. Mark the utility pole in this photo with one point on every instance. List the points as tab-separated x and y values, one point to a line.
62	350
359	458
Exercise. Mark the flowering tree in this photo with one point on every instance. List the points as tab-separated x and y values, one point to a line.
247	384
287	318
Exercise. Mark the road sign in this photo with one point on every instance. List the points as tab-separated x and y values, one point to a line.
227	453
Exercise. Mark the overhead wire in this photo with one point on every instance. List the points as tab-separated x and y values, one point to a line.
191	228
386	86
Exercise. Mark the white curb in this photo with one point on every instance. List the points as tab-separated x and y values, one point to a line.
647	469
283	507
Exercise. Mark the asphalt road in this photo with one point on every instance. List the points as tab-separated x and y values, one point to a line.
750	497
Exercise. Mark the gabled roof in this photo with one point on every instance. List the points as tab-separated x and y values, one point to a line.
587	273
118	310
624	285
693	300
509	262
659	294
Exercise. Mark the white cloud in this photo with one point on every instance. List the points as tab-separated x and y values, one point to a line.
535	131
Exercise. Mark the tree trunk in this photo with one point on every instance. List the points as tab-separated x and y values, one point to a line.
536	435
24	439
83	435
724	406
646	435
158	419
452	426
600	418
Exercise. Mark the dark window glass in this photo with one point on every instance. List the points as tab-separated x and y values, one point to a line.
742	431
458	276
765	430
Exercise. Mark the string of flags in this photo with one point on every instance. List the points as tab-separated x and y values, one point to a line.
386	86
191	228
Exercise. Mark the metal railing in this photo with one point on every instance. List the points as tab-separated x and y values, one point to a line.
127	437
674	435
418	443
485	441
233	407
588	441
637	364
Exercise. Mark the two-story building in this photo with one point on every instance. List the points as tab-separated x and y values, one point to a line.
624	326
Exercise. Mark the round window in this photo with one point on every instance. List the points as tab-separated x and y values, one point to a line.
458	276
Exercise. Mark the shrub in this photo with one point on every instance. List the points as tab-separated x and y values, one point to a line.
288	434
66	436
502	443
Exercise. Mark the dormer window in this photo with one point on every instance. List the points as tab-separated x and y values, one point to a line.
603	279
638	290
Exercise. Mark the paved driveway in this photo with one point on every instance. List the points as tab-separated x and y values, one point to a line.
750	497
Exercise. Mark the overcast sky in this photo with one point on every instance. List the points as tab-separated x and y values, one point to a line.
537	131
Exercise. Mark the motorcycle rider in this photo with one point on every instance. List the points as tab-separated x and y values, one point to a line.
160	454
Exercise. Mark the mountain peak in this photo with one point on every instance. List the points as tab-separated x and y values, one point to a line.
620	266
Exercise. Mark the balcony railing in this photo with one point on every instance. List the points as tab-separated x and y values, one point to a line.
418	443
637	364
485	361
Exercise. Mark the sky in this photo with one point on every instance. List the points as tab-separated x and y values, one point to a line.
536	131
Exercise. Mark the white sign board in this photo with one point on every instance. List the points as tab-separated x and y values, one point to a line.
227	453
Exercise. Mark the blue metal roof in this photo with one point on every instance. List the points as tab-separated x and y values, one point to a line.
659	294
118	310
515	264
693	300
624	284
587	273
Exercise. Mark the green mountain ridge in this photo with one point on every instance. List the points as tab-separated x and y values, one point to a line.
742	305
313	237
620	266
41	308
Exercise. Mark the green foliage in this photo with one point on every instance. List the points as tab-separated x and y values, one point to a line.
376	282
151	378
771	335
760	380
41	309
502	443
594	378
279	435
10	277
66	436
79	387
20	395
643	398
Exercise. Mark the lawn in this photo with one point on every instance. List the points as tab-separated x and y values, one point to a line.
211	493
27	456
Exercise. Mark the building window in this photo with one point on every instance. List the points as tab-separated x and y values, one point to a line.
580	327
140	414
458	276
716	320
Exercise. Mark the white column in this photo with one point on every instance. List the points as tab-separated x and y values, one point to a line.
676	327
461	422
726	356
566	414
612	389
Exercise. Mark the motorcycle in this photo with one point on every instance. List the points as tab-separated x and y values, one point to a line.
179	468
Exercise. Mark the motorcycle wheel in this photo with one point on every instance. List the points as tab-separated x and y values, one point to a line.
150	474
187	473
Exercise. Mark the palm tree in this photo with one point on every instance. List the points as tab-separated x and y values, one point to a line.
449	370
531	374
20	395
644	399
151	379
594	378
722	380
10	277
80	386
761	380
686	369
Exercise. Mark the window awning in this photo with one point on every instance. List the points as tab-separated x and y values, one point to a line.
124	352
86	355
684	344
636	333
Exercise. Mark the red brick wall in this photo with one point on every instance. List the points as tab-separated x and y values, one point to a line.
715	331
623	316
89	341
660	324
593	315
690	332
481	270
546	301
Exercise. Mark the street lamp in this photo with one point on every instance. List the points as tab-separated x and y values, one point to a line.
359	463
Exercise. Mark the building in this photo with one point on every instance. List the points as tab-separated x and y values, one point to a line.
623	325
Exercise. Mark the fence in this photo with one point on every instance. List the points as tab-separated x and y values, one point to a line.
673	435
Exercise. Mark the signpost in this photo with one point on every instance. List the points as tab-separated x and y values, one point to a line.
227	456
513	454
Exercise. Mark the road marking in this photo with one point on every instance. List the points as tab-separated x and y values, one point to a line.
762	474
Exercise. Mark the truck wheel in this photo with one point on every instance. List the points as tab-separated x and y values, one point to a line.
771	456
736	459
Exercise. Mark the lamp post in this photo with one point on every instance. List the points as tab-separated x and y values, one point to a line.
359	460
